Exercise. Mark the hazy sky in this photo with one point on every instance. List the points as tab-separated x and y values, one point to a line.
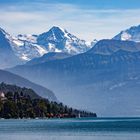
87	19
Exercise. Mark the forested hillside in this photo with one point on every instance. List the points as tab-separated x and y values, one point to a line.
16	102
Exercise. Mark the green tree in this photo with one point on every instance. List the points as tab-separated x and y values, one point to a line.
10	109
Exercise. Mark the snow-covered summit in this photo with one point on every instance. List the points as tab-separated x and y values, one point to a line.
131	34
60	40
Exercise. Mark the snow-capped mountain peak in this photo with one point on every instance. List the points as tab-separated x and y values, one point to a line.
58	29
60	40
54	34
131	34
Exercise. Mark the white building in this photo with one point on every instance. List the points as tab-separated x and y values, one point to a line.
2	96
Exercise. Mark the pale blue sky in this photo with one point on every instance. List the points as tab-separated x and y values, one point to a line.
87	19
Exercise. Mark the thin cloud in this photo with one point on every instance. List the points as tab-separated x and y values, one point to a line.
85	23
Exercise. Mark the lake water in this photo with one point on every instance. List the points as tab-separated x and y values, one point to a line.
71	129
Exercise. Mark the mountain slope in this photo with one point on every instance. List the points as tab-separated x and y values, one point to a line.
10	78
26	47
105	76
7	56
131	34
48	57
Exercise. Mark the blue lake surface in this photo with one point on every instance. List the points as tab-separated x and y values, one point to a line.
71	129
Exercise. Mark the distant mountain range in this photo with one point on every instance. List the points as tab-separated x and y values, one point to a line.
23	48
60	40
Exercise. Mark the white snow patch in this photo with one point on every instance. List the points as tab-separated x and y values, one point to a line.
24	57
57	50
88	43
41	50
125	36
18	43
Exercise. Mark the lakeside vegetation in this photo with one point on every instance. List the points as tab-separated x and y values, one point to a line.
16	102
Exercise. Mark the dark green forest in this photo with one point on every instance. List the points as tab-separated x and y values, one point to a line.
25	103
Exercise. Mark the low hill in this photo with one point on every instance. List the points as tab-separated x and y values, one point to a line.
7	88
10	78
